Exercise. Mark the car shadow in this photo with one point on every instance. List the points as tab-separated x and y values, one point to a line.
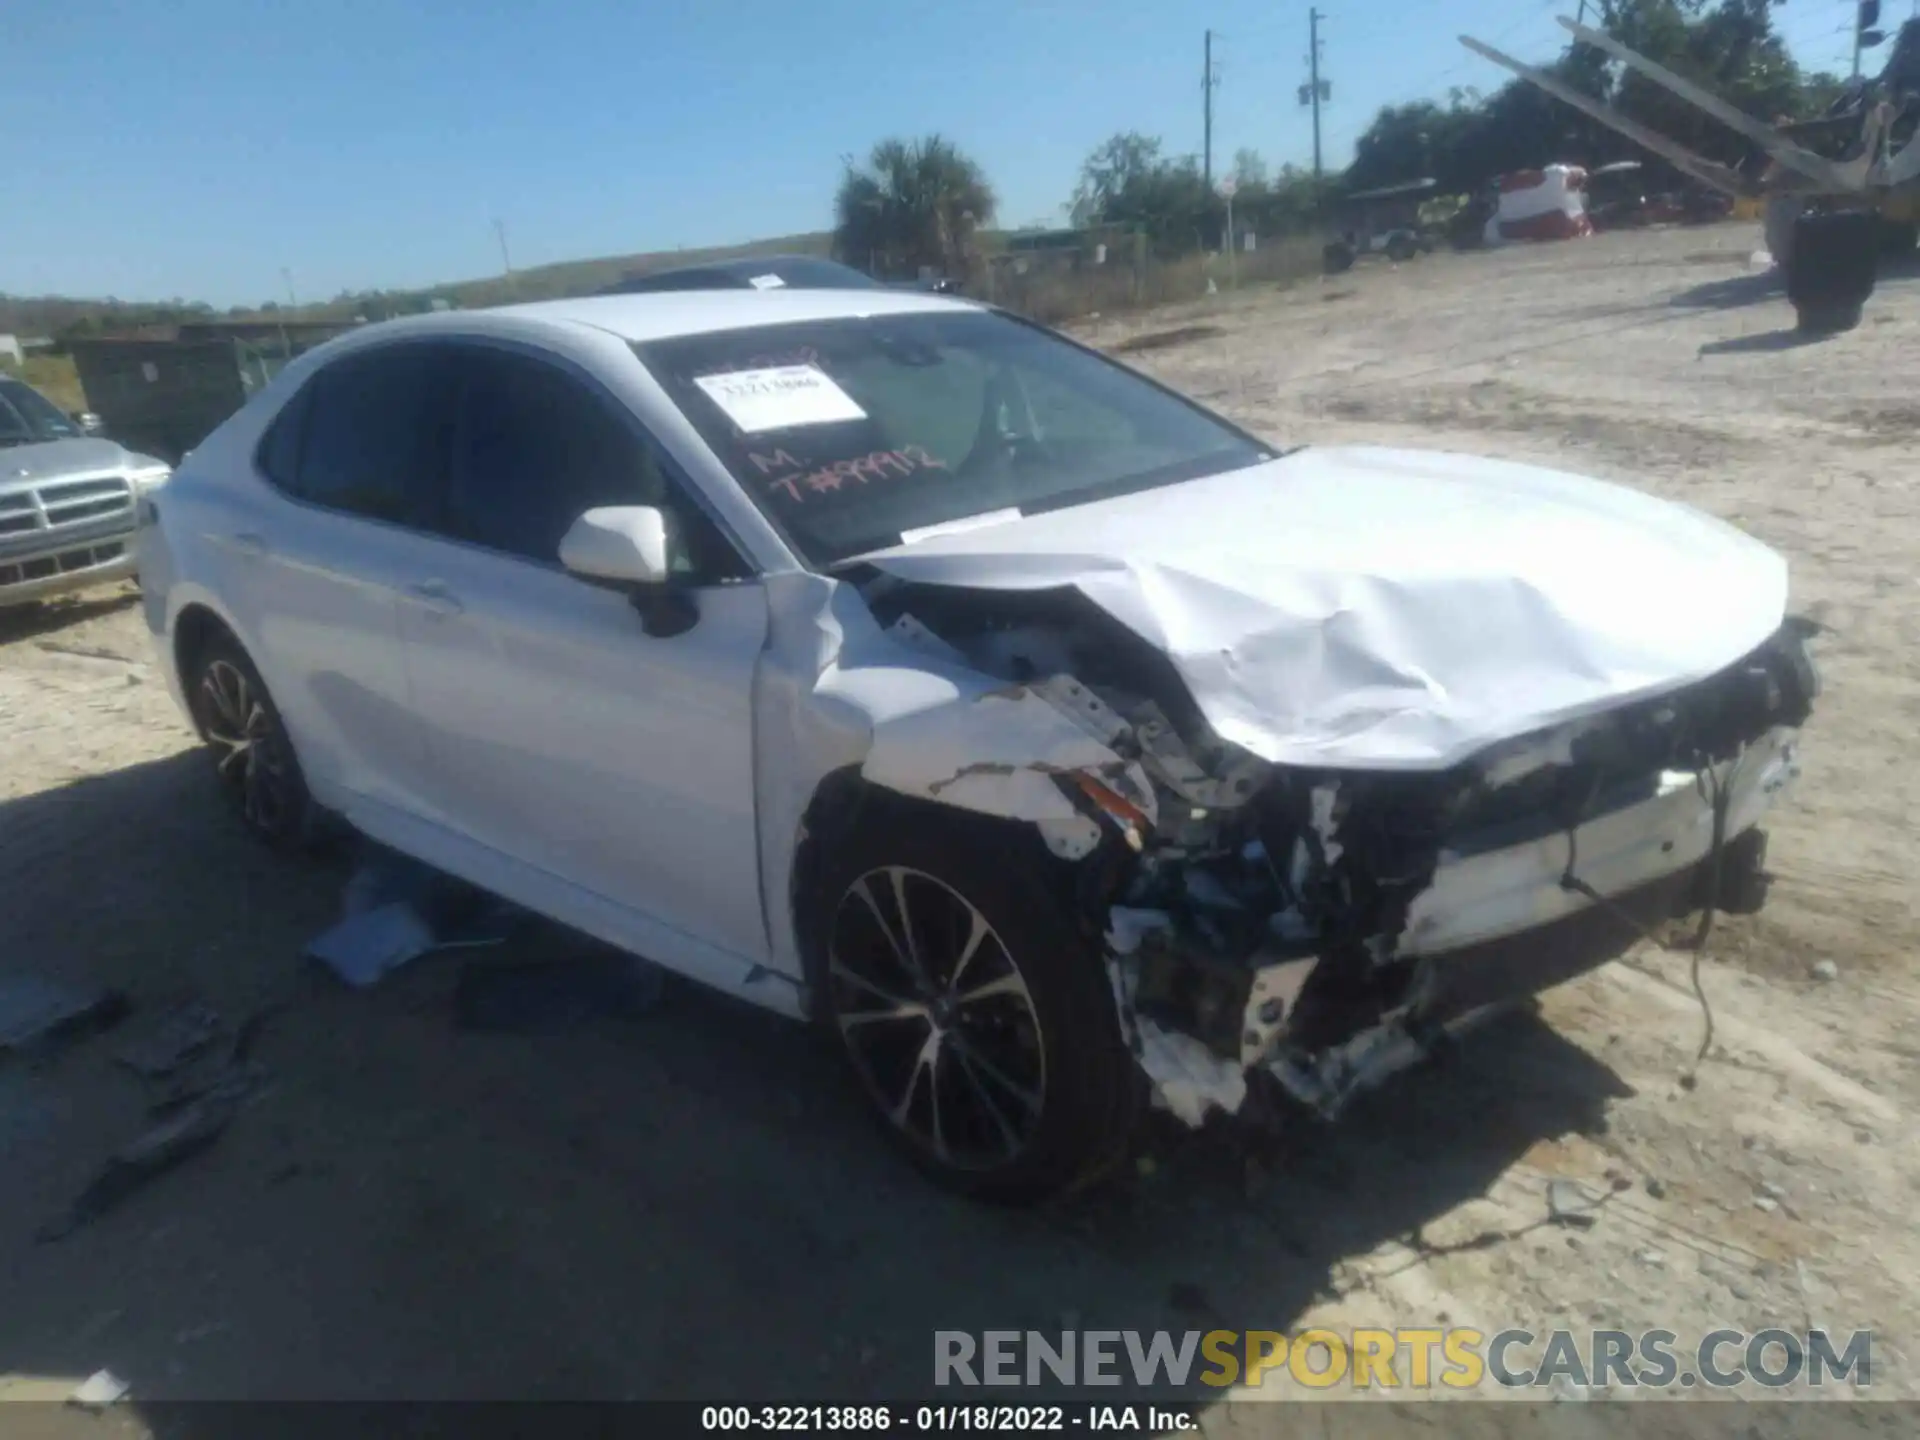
1765	342
1756	287
37	618
1730	294
688	1205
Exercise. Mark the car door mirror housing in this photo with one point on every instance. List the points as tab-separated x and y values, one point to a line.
625	544
628	546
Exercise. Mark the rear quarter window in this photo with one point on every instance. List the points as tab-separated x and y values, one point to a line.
278	455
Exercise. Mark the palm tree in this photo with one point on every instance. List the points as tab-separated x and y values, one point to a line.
915	203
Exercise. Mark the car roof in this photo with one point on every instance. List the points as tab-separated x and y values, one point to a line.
665	314
810	271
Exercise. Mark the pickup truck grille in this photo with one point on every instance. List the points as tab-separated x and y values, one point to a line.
61	562
65	502
64	527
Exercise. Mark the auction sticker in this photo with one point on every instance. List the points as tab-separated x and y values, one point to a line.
778	398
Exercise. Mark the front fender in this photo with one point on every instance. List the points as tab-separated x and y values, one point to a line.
835	692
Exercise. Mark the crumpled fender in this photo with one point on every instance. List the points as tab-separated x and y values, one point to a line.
836	691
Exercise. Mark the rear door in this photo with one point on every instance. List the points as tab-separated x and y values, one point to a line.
314	567
562	735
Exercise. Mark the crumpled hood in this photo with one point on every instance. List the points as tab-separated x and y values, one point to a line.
55	459
1387	609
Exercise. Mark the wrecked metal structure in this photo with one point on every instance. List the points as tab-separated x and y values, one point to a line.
1838	189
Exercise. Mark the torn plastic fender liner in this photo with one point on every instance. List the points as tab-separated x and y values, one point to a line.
998	751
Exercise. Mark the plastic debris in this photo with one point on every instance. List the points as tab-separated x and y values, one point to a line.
1188	1078
99	1390
557	994
152	1154
37	1014
397	909
365	946
1571	1203
173	1040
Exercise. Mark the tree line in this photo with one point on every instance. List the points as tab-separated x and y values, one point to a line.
924	204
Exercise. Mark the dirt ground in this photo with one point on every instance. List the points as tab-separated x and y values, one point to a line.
693	1205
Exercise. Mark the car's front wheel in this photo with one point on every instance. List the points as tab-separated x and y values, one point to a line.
252	755
978	1020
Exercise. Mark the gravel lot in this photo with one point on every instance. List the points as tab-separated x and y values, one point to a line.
693	1204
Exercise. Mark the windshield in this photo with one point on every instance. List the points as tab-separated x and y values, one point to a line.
856	434
27	417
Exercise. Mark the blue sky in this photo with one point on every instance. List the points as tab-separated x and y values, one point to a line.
201	147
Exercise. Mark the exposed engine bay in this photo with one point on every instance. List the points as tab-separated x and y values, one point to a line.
1326	927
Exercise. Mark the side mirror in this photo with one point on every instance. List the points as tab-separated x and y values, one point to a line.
627	546
623	543
86	420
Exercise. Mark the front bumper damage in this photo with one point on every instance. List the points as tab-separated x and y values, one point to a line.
1322	930
1393	960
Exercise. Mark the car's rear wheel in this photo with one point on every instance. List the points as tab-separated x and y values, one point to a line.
978	1022
253	757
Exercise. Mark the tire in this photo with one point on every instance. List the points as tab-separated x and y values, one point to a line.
1833	269
1834	319
1035	1090
253	757
1402	248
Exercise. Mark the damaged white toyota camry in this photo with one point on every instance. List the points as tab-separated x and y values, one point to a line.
889	661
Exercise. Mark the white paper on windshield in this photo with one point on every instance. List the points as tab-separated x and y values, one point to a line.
780	397
955	527
767	282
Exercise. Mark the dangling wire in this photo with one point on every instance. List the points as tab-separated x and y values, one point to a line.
1720	798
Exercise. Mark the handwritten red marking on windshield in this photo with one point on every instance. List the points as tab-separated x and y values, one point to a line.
780	459
830	478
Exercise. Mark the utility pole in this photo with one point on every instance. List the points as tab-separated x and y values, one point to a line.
1866	16
1206	96
1313	81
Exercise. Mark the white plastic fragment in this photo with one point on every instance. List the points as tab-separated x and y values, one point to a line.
99	1390
1325	798
1188	1078
1127	930
365	946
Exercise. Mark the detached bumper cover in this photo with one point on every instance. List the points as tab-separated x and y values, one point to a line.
1489	895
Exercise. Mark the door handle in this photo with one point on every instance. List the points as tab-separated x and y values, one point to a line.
434	597
248	543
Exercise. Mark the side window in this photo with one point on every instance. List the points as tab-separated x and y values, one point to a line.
374	436
534	449
279	454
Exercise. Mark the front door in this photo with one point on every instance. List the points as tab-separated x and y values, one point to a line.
612	766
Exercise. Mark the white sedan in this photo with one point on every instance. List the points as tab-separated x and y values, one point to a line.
888	661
